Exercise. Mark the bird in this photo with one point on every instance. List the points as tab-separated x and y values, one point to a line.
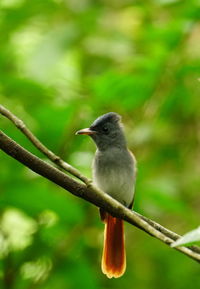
114	172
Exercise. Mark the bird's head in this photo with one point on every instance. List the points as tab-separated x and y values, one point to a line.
106	131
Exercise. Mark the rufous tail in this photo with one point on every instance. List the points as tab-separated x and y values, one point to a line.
113	262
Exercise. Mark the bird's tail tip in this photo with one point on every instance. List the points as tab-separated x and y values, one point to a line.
114	256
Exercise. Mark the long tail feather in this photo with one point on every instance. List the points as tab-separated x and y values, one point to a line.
114	256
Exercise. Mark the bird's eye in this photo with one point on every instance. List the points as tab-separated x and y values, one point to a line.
105	129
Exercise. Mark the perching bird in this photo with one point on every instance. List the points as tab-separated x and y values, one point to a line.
114	170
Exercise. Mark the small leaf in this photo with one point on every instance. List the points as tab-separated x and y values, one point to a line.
189	237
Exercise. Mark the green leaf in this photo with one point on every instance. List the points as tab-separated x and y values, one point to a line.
190	237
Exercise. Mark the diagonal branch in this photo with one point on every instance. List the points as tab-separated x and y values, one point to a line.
93	195
37	143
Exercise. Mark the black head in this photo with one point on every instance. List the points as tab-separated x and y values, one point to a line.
106	131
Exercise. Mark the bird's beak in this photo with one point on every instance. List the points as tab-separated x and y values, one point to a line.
87	131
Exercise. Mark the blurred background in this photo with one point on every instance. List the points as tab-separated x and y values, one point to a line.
62	64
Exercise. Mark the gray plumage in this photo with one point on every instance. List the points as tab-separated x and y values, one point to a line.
114	173
114	166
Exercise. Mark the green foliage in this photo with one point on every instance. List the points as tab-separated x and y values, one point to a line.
190	237
62	64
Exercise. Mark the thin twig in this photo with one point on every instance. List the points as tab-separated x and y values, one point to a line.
37	143
91	194
174	236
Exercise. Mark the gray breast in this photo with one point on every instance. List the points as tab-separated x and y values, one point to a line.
114	173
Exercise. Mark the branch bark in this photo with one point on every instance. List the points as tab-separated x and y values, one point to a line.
93	195
41	147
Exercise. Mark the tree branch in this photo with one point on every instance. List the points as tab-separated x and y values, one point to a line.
35	141
93	195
